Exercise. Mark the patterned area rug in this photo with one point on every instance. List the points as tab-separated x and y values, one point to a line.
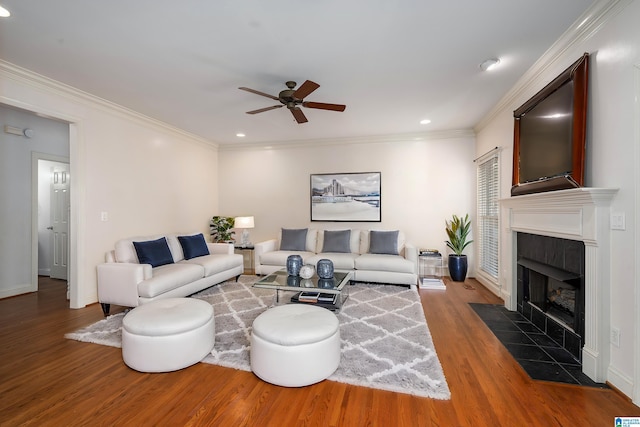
386	343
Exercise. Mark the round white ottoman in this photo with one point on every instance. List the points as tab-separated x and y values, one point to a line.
167	334
295	345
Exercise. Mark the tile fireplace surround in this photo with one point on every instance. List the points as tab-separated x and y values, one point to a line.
575	214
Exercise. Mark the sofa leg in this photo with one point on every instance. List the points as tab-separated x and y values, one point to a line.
238	277
105	308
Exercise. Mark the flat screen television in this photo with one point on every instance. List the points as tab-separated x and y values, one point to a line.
550	134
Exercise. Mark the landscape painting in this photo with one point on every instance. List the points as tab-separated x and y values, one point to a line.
346	197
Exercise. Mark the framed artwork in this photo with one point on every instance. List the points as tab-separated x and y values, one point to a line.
346	197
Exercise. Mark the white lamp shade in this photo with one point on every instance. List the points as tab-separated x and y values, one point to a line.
244	222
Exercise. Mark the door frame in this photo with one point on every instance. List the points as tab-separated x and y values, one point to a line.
35	157
77	270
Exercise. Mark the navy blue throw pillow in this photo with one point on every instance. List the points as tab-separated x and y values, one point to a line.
193	246
154	252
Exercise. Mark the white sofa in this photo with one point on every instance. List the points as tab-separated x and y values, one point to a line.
126	281
400	268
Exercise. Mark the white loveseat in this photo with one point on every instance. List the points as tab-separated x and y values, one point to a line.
187	264
394	262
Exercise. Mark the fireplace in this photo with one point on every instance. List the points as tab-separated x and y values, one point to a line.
550	288
578	215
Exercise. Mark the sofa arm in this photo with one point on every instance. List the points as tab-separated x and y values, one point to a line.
118	282
220	248
262	248
411	254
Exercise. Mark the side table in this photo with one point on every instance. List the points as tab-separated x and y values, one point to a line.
247	253
430	270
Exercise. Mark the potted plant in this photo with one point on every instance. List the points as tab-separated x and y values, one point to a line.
458	230
220	229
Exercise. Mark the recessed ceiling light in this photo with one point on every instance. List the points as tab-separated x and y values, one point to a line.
240	135
4	13
489	64
425	122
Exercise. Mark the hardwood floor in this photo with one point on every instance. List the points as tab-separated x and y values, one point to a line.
46	379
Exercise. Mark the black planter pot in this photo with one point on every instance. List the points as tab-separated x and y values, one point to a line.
458	267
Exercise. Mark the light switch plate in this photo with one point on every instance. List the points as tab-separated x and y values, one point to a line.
617	221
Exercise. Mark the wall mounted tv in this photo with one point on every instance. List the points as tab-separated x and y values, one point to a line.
550	134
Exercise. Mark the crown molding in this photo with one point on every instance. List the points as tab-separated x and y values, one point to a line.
45	84
373	139
581	30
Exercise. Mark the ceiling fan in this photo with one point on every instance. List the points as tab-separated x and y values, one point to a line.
293	99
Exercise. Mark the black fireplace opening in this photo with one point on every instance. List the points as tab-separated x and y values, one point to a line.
550	291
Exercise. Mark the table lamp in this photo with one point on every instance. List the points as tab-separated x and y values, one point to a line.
245	223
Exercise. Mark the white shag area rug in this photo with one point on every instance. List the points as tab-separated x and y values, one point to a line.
386	343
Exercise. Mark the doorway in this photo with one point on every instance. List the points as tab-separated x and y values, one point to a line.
53	217
51	212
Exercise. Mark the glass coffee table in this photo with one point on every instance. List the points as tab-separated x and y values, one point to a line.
327	293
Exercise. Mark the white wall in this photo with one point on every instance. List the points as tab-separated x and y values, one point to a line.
50	137
424	182
612	153
149	177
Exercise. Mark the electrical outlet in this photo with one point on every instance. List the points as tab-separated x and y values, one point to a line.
104	216
615	337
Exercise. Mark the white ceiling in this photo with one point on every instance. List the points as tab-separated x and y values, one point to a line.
392	63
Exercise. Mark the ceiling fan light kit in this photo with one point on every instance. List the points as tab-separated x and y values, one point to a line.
294	99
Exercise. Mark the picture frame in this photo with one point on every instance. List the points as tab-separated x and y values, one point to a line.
346	197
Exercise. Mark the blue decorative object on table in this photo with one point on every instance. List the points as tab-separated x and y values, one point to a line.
294	263
324	269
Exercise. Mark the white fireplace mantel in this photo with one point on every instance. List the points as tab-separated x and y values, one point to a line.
576	214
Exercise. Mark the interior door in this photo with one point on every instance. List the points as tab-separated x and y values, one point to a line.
60	204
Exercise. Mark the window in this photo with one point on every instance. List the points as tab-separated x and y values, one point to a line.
488	192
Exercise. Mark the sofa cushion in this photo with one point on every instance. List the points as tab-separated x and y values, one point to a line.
383	242
154	252
216	263
193	246
341	261
391	263
337	241
280	257
168	277
293	239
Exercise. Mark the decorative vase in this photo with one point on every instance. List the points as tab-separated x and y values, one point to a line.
458	267
294	264
324	269
307	271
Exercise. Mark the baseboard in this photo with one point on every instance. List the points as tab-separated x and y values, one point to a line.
620	381
22	289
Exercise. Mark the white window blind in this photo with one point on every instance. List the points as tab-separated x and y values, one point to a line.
488	192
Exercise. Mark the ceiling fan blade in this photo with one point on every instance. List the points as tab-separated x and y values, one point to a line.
299	115
306	88
257	92
262	110
323	106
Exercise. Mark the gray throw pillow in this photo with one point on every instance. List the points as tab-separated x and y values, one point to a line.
383	242
337	241
294	239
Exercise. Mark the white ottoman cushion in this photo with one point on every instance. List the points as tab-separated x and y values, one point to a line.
167	334
295	345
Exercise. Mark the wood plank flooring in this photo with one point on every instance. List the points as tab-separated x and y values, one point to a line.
46	380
